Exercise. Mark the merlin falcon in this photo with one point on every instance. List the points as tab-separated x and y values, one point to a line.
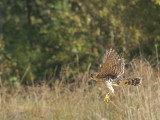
111	71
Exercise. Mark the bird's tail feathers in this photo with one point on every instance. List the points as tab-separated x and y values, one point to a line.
131	81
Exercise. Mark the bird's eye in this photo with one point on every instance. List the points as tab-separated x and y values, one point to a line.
92	75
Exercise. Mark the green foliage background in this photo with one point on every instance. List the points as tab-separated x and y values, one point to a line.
41	37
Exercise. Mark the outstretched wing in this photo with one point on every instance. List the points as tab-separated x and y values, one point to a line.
113	65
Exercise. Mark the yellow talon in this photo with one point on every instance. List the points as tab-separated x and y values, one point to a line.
106	99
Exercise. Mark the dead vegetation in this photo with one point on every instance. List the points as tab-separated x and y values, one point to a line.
85	102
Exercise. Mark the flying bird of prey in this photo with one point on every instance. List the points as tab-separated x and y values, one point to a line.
111	71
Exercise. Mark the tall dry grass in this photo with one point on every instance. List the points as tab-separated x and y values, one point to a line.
84	101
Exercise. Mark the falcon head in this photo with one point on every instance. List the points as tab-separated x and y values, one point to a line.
93	75
96	78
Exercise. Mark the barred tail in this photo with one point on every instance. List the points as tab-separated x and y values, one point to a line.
131	81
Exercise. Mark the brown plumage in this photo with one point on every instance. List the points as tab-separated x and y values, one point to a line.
111	71
112	66
130	81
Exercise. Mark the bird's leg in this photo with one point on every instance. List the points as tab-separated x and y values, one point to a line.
107	98
109	85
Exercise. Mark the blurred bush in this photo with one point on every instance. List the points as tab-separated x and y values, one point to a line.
38	38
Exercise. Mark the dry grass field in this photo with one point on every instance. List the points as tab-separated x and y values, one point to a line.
84	101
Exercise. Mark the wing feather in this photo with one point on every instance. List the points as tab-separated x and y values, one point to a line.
113	64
